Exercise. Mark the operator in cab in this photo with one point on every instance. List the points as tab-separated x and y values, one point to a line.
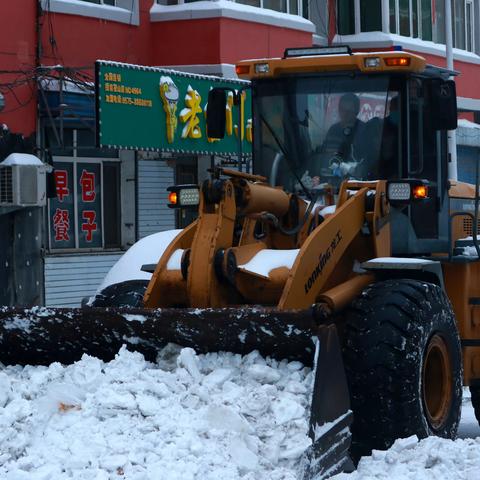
344	139
345	144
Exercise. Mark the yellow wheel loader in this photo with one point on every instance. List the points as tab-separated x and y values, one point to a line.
347	248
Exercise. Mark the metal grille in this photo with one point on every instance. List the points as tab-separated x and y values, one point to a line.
468	226
6	185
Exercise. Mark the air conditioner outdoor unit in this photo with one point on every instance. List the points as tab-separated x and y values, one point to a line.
23	181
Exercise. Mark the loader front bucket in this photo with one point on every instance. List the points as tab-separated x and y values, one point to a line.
40	336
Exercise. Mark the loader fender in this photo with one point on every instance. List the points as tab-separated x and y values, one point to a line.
128	267
146	251
413	268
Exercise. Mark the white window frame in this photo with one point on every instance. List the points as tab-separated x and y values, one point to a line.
122	12
299	6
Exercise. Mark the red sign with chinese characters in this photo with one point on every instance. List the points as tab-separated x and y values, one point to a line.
89	205
87	184
89	226
61	184
75	215
61	225
61	208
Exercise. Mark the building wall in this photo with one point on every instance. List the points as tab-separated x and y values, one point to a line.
82	40
216	40
17	54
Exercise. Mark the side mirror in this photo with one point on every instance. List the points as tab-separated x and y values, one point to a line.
444	105
216	118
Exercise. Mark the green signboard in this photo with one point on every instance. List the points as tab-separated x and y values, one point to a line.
150	108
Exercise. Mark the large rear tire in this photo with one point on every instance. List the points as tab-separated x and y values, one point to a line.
403	362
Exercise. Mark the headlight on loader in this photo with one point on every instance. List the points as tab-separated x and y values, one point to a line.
183	196
399	191
405	191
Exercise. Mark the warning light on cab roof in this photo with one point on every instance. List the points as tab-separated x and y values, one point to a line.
242	69
397	61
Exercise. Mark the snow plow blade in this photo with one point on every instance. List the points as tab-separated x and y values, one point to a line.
40	336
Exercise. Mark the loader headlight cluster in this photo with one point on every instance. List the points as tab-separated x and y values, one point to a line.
372	62
405	191
399	191
183	196
262	68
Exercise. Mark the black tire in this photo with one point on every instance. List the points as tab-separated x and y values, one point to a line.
124	294
403	362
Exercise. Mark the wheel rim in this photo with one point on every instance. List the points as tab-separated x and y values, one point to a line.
437	379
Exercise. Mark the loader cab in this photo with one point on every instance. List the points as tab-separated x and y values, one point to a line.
313	128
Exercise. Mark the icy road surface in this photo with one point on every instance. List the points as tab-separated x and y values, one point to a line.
202	417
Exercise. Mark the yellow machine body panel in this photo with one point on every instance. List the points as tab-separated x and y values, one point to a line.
361	62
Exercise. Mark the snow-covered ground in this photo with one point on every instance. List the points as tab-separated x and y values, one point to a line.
209	417
429	459
188	416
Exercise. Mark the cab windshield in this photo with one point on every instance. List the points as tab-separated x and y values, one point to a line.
314	130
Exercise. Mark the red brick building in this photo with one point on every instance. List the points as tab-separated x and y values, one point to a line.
47	54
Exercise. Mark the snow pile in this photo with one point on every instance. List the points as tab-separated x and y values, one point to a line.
188	416
267	260
22	159
470	251
464	123
431	458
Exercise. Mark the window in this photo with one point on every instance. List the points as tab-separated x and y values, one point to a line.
464	20
86	211
463	24
439	23
458	18
311	125
470	25
411	18
85	214
370	16
346	17
404	17
426	19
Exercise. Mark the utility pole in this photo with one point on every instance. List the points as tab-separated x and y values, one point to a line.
452	137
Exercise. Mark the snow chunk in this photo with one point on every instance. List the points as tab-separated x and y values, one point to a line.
188	360
223	418
22	159
285	410
263	374
266	260
328	210
175	261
